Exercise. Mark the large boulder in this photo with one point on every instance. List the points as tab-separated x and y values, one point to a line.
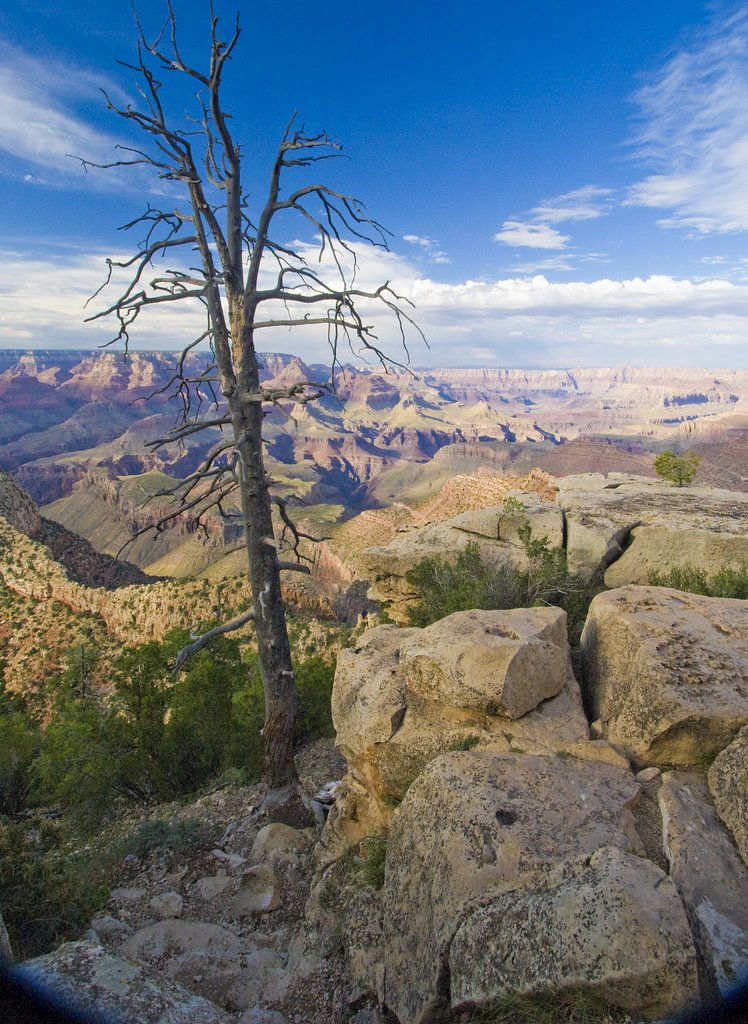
499	663
611	924
728	784
403	696
710	877
472	827
635	524
662	548
128	992
665	672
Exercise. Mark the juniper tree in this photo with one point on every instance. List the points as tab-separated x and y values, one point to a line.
247	278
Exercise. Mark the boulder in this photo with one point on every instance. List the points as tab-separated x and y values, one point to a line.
611	924
728	784
662	548
259	892
369	691
670	526
277	841
710	876
667	672
388	730
494	532
496	662
174	937
472	827
6	950
110	929
211	886
167	904
84	973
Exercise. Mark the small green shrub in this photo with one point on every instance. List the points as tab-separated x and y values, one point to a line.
466	743
374	852
170	837
726	582
679	469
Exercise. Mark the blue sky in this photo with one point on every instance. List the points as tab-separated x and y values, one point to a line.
566	184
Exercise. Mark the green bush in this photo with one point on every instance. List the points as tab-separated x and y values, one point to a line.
445	587
726	582
167	837
47	894
679	469
314	678
19	745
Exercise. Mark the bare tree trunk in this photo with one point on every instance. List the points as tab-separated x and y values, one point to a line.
274	650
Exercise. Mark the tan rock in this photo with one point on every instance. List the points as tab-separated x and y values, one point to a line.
277	841
501	662
661	548
259	892
473	826
173	937
710	876
212	885
369	691
728	784
84	972
611	924
666	672
671	526
167	904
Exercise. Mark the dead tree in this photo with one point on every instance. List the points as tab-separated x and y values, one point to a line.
247	280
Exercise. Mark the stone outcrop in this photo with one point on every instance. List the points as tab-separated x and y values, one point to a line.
610	924
491	529
710	876
501	681
667	672
128	991
629	526
475	827
499	663
728	784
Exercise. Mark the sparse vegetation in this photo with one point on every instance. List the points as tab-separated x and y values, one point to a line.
374	853
556	1008
444	586
726	582
466	743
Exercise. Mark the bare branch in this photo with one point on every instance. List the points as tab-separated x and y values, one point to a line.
205	638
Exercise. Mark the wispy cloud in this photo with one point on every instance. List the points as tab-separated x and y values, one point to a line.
530	235
586	203
429	246
694	132
40	124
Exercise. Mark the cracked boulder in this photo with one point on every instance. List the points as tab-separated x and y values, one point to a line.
667	672
710	876
403	696
575	933
472	827
728	784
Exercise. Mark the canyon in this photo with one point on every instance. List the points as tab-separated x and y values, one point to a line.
75	428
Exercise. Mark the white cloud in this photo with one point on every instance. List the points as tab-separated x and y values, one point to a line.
429	246
586	203
516	320
531	236
694	133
